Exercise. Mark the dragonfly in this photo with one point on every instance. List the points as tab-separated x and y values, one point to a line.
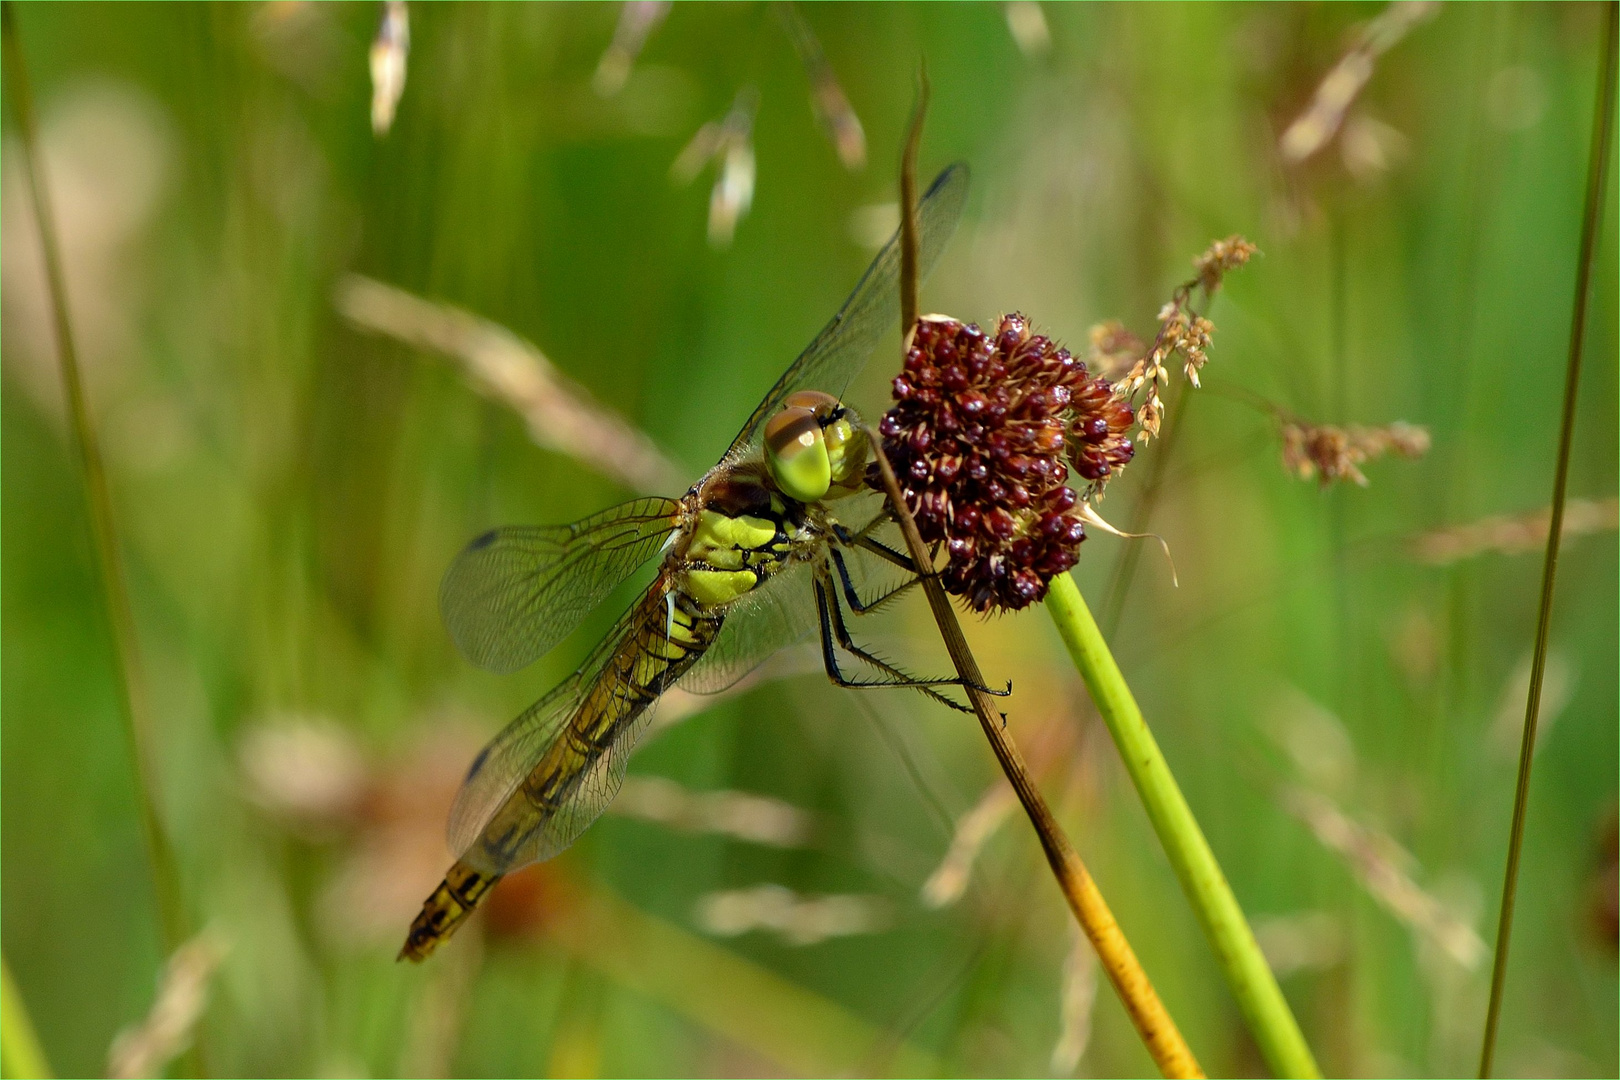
751	559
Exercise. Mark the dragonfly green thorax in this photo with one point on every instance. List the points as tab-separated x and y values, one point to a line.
750	560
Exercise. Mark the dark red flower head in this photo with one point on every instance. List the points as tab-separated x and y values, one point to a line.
981	436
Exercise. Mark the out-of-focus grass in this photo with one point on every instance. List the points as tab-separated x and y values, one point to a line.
290	491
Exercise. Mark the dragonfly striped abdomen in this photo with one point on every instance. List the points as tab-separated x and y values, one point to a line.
672	625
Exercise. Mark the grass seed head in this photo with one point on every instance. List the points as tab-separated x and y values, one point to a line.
1328	452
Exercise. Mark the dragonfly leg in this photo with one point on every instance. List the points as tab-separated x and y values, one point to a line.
833	629
832	620
860	608
853	599
861	538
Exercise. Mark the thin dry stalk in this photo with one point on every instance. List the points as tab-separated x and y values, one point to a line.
1158	1031
1596	183
560	414
133	698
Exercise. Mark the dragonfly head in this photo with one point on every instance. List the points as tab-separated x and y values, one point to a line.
815	448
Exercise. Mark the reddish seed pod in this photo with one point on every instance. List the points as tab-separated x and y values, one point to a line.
984	430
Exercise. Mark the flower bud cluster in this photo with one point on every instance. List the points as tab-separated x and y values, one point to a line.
982	435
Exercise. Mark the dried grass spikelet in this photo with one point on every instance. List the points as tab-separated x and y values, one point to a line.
1302	941
731	142
1077	1000
1325	768
167	1030
1219	258
1384	869
1315	127
755	818
1113	349
561	415
637	20
1026	22
389	52
1328	452
1514	534
827	98
1183	332
797	920
949	880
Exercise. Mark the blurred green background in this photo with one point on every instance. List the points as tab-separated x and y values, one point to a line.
289	489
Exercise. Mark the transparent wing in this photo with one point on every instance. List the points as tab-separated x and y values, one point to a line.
513	593
777	614
502	765
838	353
541	731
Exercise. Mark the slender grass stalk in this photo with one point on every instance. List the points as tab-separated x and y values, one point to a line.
21	1056
1596	184
1158	1031
1259	997
126	658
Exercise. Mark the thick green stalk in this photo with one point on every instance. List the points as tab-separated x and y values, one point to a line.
21	1055
1259	997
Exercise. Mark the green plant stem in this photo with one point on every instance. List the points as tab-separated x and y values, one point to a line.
21	1056
1259	997
1596	182
133	698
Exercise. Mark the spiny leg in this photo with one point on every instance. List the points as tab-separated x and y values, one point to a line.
851	597
841	631
860	609
883	551
832	626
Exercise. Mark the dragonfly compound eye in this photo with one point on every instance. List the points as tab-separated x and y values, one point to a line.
796	452
848	452
824	405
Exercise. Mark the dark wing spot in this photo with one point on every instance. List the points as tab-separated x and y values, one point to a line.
478	763
483	541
